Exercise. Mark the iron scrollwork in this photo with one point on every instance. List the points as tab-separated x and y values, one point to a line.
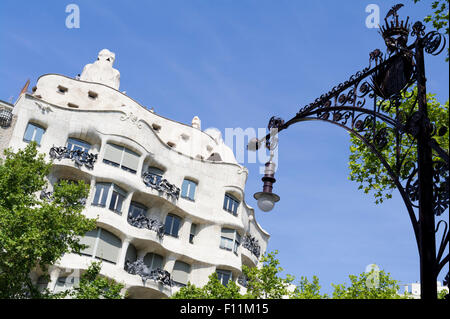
141	221
79	157
160	184
138	267
369	106
5	118
252	244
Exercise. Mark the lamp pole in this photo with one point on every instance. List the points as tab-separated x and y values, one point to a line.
425	189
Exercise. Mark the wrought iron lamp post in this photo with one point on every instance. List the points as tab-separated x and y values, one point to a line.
368	105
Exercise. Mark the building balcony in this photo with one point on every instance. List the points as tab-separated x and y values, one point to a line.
79	157
158	275
252	245
142	221
160	184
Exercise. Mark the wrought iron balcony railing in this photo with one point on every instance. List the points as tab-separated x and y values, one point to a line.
48	196
160	184
141	221
5	118
252	244
79	157
138	267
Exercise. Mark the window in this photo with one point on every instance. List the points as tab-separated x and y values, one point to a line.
92	94
156	173
180	273
120	156
74	144
108	193
131	255
64	283
153	261
42	283
117	197
192	233
188	189
224	276
102	245
101	194
62	89
230	204
33	133
230	236
172	225
136	209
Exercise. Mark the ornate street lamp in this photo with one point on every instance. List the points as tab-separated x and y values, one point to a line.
368	106
266	199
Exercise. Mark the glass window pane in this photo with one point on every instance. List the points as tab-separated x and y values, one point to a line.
176	226
74	144
137	209
192	190
168	224
184	188
224	276
29	132
120	199
131	255
38	135
157	261
101	193
112	204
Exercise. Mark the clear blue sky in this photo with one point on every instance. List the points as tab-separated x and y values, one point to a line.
235	64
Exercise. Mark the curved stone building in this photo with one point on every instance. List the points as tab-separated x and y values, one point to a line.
169	197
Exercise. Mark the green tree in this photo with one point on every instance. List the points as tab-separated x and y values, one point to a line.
308	290
439	18
94	286
35	232
264	282
367	170
212	290
368	285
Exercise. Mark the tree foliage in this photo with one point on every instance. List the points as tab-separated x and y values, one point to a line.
367	170
266	282
212	290
94	286
439	17
35	232
365	287
263	282
308	290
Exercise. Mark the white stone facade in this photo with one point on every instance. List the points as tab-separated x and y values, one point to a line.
98	114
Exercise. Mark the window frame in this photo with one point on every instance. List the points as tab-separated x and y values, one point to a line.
228	201
123	150
95	247
137	205
223	272
78	144
232	244
174	217
181	269
188	188
36	128
115	197
153	255
192	233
